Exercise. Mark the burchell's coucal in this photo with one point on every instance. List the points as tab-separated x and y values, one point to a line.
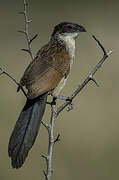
46	74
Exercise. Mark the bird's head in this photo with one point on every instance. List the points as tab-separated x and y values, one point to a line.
68	29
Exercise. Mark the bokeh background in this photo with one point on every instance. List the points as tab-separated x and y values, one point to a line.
89	146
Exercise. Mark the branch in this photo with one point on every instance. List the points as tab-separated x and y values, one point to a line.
26	31
51	142
29	41
13	79
89	78
55	112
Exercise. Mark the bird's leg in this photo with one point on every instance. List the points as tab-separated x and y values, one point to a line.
53	102
63	98
69	99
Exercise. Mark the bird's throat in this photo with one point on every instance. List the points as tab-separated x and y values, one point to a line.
69	42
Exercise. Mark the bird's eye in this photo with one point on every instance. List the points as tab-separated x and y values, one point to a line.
69	27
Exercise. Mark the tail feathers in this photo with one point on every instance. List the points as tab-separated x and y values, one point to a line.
26	130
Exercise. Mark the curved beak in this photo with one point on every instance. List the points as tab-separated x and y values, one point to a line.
81	28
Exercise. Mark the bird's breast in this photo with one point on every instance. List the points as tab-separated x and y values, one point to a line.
69	42
60	86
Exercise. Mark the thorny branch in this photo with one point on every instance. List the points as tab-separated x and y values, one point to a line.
29	41
89	78
51	142
26	31
55	112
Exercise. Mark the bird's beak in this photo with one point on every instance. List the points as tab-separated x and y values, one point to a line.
81	29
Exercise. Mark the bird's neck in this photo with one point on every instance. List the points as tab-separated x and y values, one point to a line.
69	43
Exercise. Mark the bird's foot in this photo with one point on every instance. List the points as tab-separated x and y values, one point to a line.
53	102
63	98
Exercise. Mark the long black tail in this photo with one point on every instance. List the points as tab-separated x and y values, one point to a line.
26	130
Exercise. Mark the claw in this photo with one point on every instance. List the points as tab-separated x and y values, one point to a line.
69	99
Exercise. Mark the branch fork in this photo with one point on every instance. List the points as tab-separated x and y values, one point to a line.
56	112
90	77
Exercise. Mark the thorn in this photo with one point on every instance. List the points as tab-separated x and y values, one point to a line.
26	50
45	125
29	21
33	38
57	139
44	156
21	31
95	82
92	79
70	107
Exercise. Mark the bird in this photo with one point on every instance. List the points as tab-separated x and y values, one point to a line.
46	74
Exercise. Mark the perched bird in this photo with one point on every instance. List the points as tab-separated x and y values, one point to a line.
46	74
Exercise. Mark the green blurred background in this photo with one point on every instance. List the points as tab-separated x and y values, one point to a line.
89	147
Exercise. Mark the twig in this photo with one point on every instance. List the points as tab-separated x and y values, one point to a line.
45	125
13	79
26	31
89	78
57	139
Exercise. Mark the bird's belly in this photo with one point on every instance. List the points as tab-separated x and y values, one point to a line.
61	84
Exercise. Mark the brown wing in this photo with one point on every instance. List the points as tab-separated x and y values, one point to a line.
43	74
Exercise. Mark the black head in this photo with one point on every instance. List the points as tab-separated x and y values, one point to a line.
68	27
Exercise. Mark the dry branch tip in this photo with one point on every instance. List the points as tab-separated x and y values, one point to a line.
101	46
33	38
26	50
57	139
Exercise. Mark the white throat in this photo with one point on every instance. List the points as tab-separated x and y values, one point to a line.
69	41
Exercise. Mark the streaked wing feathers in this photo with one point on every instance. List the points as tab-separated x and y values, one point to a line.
44	73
